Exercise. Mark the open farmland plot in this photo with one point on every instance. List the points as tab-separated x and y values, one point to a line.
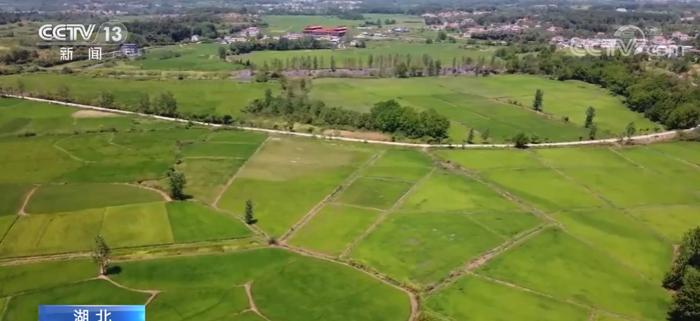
474	298
287	177
137	225
198	57
670	221
557	264
73	197
438	229
193	222
630	186
193	96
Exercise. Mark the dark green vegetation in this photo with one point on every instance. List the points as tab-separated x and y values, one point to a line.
684	277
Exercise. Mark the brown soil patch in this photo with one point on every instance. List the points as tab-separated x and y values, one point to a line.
92	114
358	135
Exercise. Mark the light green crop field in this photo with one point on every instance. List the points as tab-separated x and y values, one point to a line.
471	103
334	228
288	177
582	233
282	24
74	197
473	298
198	57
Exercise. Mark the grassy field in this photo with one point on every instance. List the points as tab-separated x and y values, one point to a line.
603	221
198	57
288	177
215	290
480	103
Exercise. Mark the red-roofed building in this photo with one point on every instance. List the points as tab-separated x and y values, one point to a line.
325	31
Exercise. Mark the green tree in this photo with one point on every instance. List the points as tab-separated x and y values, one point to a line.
590	114
144	105
177	182
470	136
686	302
63	92
485	135
166	104
521	140
101	255
688	256
630	130
442	35
222	53
249	213
21	87
401	70
333	63
106	99
537	103
592	131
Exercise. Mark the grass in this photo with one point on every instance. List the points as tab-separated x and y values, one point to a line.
557	264
74	197
334	228
374	193
401	164
198	57
11	198
16	279
283	284
192	222
445	192
210	304
623	237
137	225
85	293
473	298
421	248
670	221
288	177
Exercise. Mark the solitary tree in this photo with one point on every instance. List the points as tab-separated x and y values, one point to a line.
249	213
222	53
485	135
590	113
470	136
630	130
21	87
537	104
592	131
177	182
333	63
101	254
521	140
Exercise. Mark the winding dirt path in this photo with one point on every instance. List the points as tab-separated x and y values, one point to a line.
162	193
645	139
251	302
23	210
152	293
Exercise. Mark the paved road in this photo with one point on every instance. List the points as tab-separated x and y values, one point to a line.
640	138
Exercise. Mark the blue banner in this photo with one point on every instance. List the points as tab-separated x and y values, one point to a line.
92	313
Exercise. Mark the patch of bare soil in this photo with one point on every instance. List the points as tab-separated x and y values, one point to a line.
358	135
92	114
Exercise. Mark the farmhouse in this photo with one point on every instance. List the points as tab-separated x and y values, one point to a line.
320	31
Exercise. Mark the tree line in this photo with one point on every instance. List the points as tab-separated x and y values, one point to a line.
294	106
283	44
